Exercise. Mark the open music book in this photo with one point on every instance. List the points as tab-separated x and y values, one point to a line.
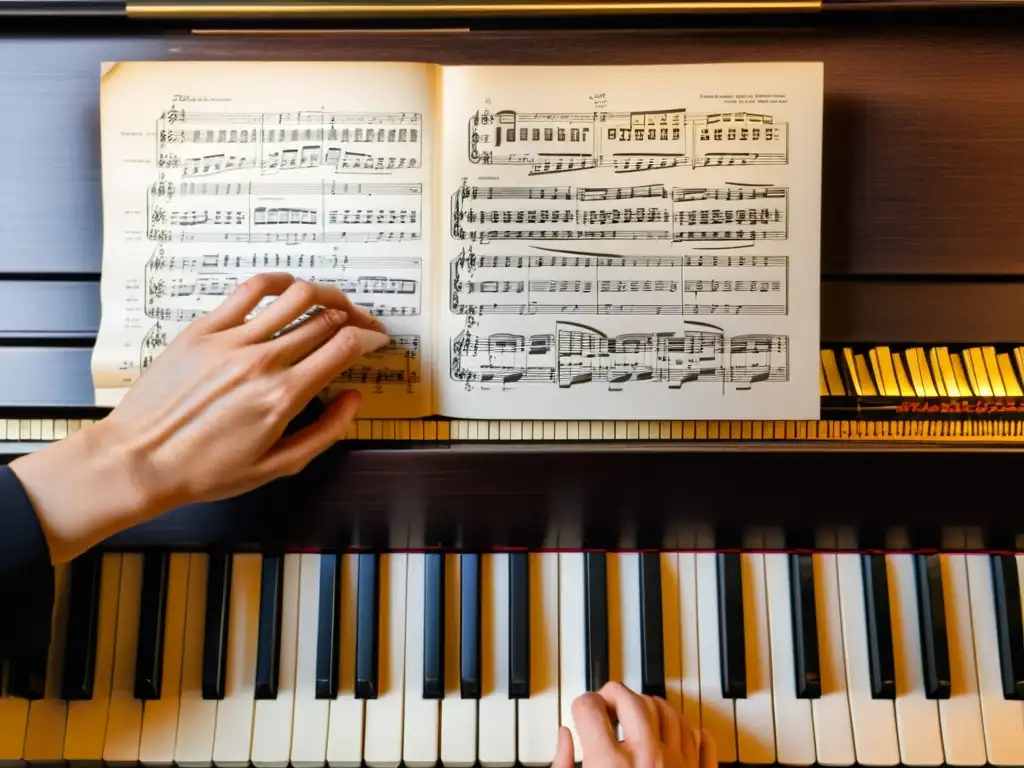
605	242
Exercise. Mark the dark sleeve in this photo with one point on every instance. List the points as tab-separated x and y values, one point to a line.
26	574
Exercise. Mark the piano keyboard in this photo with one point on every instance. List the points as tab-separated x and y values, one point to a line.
464	659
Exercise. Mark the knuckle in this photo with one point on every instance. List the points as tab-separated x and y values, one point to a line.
329	321
303	291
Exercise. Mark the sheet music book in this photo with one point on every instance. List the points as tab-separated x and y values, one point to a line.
587	242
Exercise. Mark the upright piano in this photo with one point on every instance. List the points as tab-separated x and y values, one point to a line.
836	592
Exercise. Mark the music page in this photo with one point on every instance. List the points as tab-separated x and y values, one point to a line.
216	171
631	242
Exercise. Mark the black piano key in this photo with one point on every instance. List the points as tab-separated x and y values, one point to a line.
433	626
595	591
215	630
931	613
83	620
149	653
805	627
882	667
367	626
328	627
1009	629
519	625
652	642
268	636
732	646
470	683
26	676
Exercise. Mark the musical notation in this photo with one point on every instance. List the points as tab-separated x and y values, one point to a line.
290	213
183	288
200	143
626	142
737	214
563	282
577	354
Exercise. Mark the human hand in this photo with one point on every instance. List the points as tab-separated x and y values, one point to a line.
653	733
207	420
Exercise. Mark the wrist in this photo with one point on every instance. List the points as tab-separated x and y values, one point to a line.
86	488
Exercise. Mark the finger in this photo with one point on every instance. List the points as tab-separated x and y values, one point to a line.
637	720
564	757
337	354
708	751
293	453
594	727
307	337
243	300
689	746
299	299
669	726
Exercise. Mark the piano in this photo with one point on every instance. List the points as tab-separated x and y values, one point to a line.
840	592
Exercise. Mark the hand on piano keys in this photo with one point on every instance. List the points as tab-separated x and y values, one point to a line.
210	419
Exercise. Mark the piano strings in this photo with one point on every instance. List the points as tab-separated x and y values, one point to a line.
626	142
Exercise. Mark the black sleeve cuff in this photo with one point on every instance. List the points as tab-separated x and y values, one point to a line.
26	574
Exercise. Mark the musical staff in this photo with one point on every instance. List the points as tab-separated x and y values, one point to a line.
737	214
183	288
577	354
197	143
561	282
324	212
625	142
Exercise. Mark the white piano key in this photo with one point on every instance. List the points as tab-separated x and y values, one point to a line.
87	720
794	726
47	717
422	716
670	626
124	714
874	720
311	715
232	741
689	639
160	716
572	644
755	718
538	715
963	733
497	712
833	731
197	717
717	713
383	739
347	713
1003	719
458	715
272	721
624	647
917	717
13	723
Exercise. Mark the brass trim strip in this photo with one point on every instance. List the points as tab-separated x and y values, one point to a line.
249	9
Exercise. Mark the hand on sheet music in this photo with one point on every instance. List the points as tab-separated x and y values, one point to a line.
653	733
207	420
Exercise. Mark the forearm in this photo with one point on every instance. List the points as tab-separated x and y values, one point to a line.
84	489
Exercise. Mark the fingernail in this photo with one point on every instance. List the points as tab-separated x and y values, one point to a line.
371	341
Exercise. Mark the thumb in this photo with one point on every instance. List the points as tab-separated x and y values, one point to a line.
564	757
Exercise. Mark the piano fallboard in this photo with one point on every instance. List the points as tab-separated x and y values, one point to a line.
461	498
